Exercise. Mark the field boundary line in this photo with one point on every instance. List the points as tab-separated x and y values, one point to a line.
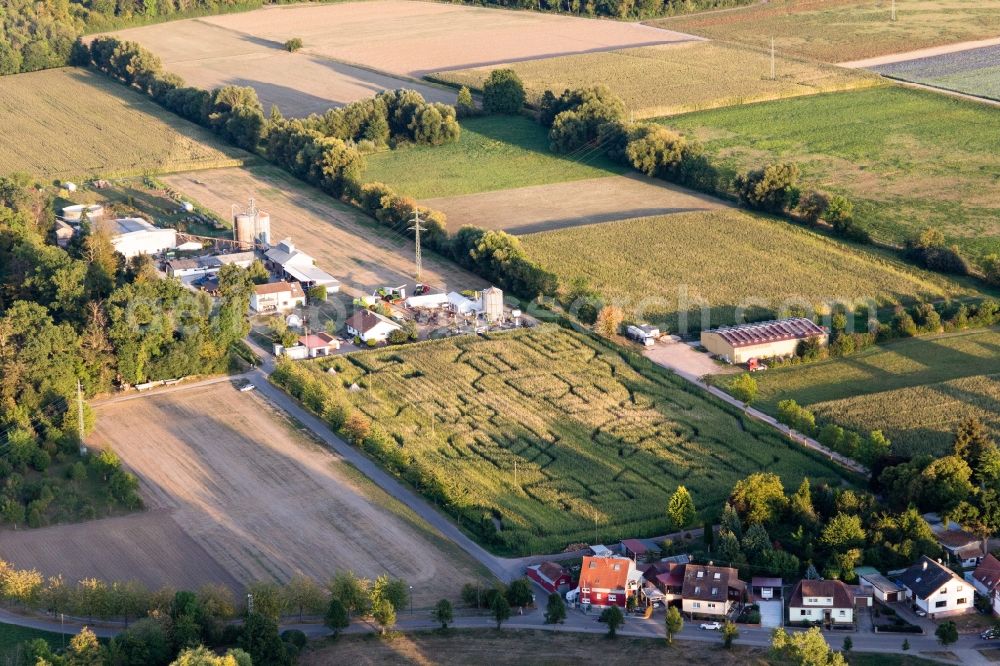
919	54
942	91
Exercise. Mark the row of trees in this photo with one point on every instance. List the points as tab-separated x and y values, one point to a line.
614	8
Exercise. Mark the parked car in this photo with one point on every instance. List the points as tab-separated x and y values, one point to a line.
990	634
920	612
711	626
247	387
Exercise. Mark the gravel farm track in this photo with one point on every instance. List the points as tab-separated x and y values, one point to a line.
236	493
354	49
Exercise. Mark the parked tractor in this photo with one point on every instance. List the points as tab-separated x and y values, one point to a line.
754	364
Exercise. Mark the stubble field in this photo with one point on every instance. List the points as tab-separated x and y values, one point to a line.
916	391
343	241
723	259
844	30
908	159
599	439
677	78
72	123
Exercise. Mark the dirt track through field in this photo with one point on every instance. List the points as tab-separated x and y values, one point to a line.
538	208
344	242
236	494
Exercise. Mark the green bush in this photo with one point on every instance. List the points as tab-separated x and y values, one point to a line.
293	44
503	92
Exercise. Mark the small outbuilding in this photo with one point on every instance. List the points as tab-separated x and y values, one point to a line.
549	575
635	549
766	339
766	588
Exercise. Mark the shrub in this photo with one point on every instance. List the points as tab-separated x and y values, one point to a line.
293	44
503	92
591	116
771	189
465	107
744	388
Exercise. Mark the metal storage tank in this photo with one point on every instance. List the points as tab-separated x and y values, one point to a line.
243	228
263	228
492	302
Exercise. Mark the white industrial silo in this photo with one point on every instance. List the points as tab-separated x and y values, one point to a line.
492	304
251	225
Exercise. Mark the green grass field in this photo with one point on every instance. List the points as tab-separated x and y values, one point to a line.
907	158
494	153
664	80
843	30
12	636
73	123
915	390
600	440
724	258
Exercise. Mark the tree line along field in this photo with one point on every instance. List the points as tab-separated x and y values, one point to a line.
724	258
845	30
493	153
916	391
600	438
974	72
64	123
665	80
908	159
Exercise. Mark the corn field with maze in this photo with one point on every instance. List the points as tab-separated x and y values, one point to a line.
600	438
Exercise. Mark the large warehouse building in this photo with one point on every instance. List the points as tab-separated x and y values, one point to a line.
133	236
765	339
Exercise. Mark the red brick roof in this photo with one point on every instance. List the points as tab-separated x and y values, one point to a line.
842	595
763	332
316	340
280	287
605	573
551	571
635	546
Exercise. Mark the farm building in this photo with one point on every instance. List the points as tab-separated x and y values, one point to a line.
827	601
462	305
133	236
277	297
294	264
765	339
369	325
606	581
64	233
986	580
427	301
643	333
883	589
711	591
549	575
208	264
936	589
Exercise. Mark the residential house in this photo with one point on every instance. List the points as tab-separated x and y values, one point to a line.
319	344
369	326
962	547
294	264
821	601
667	578
986	580
765	588
711	591
936	589
608	581
280	297
549	575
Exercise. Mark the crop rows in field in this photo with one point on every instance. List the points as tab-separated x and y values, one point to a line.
664	80
908	159
597	444
845	30
915	390
723	259
65	123
976	71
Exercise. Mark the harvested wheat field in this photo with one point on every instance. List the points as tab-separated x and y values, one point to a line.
344	242
209	56
676	78
243	492
82	124
405	38
539	208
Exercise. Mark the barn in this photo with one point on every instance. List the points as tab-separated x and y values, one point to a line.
766	339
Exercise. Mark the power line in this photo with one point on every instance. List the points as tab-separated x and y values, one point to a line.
417	228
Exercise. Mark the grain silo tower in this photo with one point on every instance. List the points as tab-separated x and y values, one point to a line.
492	304
251	226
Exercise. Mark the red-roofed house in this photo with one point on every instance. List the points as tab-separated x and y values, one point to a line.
319	344
608	581
634	548
766	339
549	575
986	579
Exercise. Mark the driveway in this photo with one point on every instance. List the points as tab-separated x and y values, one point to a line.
770	613
683	359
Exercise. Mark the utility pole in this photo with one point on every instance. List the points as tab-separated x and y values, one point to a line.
893	10
417	229
249	603
772	57
79	417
